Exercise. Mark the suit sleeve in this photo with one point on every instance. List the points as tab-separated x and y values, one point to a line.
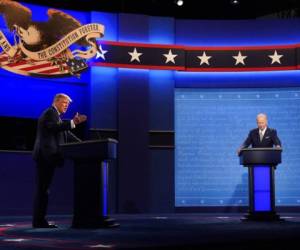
247	142
276	140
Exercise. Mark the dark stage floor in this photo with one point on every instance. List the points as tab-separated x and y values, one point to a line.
165	231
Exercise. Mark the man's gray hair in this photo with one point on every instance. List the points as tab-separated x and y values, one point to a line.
61	95
262	115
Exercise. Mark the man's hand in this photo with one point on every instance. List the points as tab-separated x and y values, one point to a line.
78	118
238	151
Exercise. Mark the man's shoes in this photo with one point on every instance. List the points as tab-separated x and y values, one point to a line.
44	225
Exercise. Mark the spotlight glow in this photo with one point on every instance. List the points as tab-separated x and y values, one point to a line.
235	2
179	2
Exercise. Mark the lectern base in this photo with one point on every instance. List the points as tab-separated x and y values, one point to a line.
102	222
262	216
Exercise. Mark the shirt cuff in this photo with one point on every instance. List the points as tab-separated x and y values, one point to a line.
72	124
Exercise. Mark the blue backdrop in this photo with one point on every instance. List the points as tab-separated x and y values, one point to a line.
211	124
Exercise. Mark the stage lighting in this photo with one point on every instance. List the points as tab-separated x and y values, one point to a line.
179	2
234	2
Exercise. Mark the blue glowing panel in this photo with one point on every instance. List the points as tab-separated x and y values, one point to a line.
110	22
161	97
133	28
104	187
161	30
22	96
241	32
210	124
262	188
39	13
103	97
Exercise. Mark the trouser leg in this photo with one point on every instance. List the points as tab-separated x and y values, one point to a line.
44	176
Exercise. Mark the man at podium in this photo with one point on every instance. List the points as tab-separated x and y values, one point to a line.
51	132
261	161
262	136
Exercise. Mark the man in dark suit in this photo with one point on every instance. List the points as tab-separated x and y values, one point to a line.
51	132
262	136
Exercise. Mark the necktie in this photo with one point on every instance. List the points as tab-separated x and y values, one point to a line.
261	135
59	119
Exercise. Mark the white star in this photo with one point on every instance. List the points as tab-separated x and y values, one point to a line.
204	58
275	57
135	55
239	58
101	53
170	57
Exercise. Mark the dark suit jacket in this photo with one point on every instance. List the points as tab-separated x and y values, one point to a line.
51	131
269	140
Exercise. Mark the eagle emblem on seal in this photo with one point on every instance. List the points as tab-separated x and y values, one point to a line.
46	48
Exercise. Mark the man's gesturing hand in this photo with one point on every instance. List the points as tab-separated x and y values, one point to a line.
78	118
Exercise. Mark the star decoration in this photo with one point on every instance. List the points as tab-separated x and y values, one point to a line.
170	57
239	58
101	53
135	55
275	57
204	58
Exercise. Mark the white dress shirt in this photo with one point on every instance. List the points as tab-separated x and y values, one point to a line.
262	133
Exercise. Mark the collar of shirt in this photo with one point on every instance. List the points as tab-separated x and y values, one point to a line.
56	109
263	131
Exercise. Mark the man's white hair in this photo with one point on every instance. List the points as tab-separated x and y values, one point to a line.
61	95
262	115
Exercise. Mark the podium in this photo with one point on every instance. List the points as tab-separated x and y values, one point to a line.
91	165
261	164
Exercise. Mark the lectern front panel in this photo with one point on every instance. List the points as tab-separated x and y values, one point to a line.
262	188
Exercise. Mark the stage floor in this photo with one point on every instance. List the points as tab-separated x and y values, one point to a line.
160	231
